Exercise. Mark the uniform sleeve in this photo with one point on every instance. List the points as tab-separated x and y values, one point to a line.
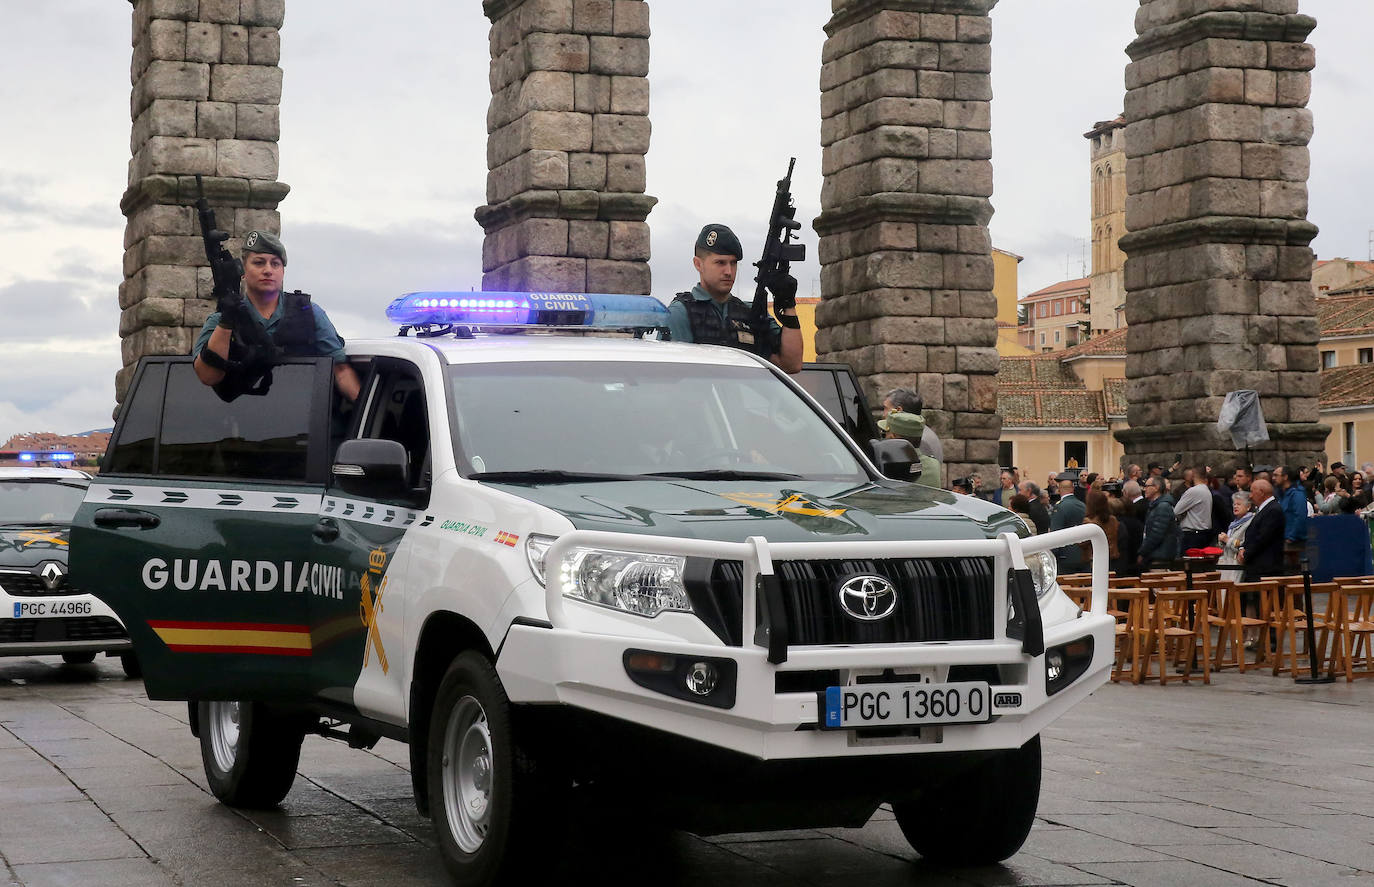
205	331
775	338
328	342
679	327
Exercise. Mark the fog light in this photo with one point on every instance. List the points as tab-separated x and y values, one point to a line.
1054	665
702	678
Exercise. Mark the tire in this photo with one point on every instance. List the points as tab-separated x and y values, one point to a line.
78	658
486	802
132	667
250	753
979	817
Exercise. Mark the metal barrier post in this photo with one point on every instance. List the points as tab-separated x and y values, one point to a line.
1311	630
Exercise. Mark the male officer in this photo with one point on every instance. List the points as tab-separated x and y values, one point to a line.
710	315
296	325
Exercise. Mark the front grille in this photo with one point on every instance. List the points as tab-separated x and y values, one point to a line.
29	585
63	628
938	599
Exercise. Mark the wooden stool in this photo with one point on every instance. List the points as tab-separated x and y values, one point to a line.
1131	607
1287	618
1353	629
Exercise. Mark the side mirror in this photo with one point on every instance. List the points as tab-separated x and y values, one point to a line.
896	458
371	469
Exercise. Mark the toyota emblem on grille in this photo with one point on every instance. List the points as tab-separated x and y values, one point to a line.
868	598
52	574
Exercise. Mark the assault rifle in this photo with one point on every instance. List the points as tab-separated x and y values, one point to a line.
253	353
779	252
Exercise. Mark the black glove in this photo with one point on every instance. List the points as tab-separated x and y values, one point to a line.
783	286
230	308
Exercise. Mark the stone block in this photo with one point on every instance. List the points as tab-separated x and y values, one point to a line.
245	220
630	241
550	16
220	11
1292	56
257	84
532	237
975	360
175	9
589	240
171	155
1293	88
898	358
944	143
625	173
557	52
159	218
587	171
620	134
246	159
1283	200
610	276
539	274
629	95
631	18
156	340
968	115
257	121
264	46
171	80
1287	126
968	272
939	26
263	13
1261	87
534	170
167	40
203	42
884	141
164	117
1303	358
931	387
194	313
215	120
897	111
1223	53
592	93
980	332
1223	197
966	177
975	58
974	29
974	145
233	44
593	16
956	393
152	311
977	303
1295	263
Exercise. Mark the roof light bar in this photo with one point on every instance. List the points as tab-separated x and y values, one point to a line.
46	456
596	310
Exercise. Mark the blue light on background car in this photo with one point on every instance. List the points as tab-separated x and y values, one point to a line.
46	456
598	310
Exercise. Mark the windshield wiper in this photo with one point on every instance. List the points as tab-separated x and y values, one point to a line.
548	475
726	474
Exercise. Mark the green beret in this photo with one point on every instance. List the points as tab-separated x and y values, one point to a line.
715	238
904	425
262	242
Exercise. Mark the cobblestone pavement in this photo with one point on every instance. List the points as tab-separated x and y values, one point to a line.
1252	780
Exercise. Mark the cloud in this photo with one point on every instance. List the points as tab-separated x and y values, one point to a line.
64	391
57	310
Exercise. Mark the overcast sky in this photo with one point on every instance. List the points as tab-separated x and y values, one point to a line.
384	143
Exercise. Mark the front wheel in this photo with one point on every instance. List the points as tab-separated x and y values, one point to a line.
482	788
78	658
250	753
981	815
132	667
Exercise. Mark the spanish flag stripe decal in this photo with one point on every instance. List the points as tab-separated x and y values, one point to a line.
234	637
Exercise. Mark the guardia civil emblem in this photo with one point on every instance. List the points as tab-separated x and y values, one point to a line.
711	238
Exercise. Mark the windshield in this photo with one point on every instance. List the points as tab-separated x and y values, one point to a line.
582	418
39	502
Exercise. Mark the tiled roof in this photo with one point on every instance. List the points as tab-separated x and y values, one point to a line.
1063	286
1345	315
1050	408
1108	344
1037	372
1364	285
1114	396
1351	386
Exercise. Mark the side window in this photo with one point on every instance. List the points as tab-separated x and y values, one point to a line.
131	452
399	413
263	437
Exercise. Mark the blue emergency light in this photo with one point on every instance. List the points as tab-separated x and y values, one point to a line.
46	456
592	310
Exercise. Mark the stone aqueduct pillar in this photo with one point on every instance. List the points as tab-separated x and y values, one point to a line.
568	130
206	90
906	279
1218	266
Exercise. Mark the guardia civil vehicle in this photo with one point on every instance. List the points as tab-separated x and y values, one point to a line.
572	569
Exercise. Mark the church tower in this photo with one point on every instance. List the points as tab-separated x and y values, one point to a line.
1108	287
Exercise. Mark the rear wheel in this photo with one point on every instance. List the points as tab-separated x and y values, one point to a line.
485	798
80	658
250	753
132	667
981	815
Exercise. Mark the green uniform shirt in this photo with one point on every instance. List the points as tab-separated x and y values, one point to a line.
680	326
328	343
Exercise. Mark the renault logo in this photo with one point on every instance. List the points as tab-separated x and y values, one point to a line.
52	574
868	598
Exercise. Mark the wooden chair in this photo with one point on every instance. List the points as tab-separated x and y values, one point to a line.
1179	627
1353	627
1228	616
1287	618
1264	590
1131	607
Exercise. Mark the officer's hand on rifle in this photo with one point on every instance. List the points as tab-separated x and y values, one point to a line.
230	308
783	286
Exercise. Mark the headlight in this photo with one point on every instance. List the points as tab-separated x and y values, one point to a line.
1044	569
643	584
536	550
